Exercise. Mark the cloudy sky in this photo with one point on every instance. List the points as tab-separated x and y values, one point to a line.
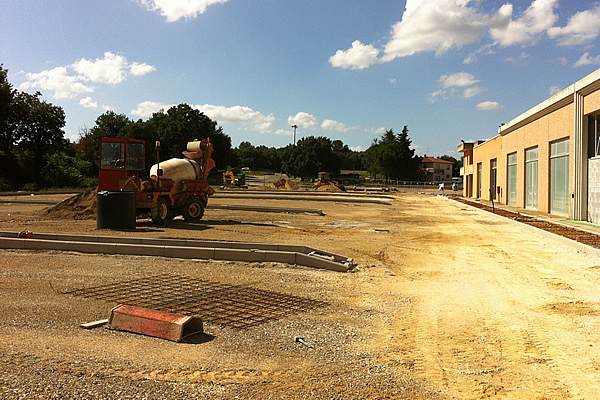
449	69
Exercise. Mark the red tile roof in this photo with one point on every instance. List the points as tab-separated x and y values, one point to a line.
435	160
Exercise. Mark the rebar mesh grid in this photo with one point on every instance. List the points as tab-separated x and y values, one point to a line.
236	306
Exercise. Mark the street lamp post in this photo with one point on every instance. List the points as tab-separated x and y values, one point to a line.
295	127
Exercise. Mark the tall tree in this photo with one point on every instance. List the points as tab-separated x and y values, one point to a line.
310	156
182	124
392	156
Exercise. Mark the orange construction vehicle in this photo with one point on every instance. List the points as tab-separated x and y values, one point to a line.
173	187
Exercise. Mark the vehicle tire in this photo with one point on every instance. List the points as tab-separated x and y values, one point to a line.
160	213
193	210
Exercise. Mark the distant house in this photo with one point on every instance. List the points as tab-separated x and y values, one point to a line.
436	170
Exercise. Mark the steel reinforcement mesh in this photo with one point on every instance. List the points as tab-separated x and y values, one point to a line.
236	306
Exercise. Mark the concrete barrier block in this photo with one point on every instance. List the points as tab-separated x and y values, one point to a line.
139	249
317	262
189	252
90	247
12	243
240	255
165	242
280	256
38	244
76	238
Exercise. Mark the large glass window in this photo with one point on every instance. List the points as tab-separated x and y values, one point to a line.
559	177
531	178
135	156
511	175
112	156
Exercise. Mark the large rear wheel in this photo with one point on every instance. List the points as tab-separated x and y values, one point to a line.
160	213
193	209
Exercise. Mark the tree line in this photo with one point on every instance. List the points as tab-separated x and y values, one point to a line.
34	153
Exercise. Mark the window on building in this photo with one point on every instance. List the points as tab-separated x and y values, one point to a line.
531	178
511	179
559	177
594	136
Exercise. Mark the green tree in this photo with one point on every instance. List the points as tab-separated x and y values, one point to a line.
310	156
108	124
392	156
30	129
182	124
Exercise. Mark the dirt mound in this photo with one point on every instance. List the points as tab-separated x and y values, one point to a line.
80	206
328	188
284	184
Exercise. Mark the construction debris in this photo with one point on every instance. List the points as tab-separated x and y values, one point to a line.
284	184
161	324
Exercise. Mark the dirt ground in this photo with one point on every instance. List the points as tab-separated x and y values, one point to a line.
448	302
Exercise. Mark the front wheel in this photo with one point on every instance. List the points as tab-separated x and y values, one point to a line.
193	210
160	213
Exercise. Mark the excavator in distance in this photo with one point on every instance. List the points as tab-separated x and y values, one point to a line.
173	187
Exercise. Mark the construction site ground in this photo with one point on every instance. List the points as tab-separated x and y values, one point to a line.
447	302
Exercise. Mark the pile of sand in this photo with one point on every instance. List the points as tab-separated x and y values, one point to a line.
328	188
80	206
284	184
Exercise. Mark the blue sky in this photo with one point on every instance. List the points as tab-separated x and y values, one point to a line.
449	69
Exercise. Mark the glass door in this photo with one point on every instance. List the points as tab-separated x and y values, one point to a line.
531	178
559	177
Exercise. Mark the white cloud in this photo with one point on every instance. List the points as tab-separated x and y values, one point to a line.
474	56
246	116
585	59
284	132
304	120
146	108
460	79
58	81
174	10
521	58
376	131
489	105
440	25
359	56
438	93
87	102
554	90
473	91
528	28
331	125
358	148
68	82
138	69
582	27
239	114
111	69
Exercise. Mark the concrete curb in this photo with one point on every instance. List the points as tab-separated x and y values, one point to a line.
181	248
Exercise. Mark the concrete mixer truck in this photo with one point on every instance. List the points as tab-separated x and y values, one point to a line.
173	187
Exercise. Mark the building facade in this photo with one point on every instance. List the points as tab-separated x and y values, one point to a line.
436	170
547	159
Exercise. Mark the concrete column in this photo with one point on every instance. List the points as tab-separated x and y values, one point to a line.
580	165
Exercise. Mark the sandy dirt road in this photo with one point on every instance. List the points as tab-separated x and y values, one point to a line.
448	302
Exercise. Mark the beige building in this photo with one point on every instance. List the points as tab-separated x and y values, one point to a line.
436	170
547	159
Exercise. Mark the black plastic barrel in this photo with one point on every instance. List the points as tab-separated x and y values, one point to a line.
116	210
